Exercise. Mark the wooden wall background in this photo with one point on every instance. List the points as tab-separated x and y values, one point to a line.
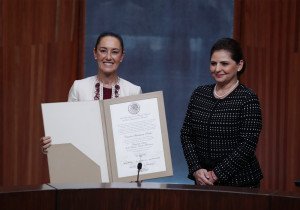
269	31
41	48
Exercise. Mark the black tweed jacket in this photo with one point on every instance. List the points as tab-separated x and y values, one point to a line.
222	135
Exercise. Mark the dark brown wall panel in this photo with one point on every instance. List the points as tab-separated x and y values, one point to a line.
41	55
269	33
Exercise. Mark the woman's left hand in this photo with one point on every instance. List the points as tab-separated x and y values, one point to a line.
203	177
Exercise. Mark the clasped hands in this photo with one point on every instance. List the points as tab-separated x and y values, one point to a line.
204	177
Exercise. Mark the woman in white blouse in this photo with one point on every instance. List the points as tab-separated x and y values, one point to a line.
109	53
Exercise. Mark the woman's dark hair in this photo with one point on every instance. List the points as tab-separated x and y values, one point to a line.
108	33
231	46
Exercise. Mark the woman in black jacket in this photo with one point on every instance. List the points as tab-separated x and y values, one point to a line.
222	124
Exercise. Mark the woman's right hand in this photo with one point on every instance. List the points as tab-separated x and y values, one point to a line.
45	143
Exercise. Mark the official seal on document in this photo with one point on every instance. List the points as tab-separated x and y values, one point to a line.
134	108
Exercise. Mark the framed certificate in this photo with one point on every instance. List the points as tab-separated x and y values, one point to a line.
110	137
137	133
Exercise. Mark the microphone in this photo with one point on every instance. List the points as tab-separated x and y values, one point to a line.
139	167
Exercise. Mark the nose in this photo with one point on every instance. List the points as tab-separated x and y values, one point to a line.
218	67
108	56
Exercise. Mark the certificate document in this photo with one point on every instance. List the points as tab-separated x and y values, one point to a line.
137	137
115	135
137	133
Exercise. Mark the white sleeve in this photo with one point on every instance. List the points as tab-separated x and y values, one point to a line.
140	90
73	93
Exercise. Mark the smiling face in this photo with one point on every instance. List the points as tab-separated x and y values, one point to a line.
109	54
223	68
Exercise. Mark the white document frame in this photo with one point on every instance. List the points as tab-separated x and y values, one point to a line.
78	123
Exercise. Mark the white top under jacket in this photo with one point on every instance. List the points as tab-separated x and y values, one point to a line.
84	89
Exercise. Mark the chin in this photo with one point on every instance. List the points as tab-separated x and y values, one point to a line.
109	72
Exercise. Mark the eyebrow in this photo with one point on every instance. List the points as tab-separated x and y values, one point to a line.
109	48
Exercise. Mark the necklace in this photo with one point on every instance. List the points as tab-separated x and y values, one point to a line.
99	89
227	92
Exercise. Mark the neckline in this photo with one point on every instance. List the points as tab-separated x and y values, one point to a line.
99	88
230	90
